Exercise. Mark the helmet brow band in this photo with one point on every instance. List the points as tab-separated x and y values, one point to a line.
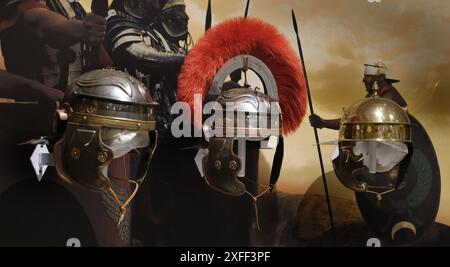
133	125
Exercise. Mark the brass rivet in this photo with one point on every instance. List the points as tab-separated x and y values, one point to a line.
233	165
218	165
90	109
102	157
75	153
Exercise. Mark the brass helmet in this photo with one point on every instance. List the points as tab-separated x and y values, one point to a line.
109	115
375	146
240	114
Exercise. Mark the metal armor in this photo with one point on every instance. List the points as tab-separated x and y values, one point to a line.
135	8
135	44
377	68
109	115
141	46
247	114
365	127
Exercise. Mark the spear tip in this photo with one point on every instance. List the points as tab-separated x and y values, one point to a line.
247	8
294	21
208	21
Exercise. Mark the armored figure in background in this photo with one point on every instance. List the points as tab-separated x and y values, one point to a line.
375	72
149	40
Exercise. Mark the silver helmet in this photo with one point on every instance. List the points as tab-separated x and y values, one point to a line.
240	114
109	115
377	68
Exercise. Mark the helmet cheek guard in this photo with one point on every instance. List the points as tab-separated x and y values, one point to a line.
85	158
221	167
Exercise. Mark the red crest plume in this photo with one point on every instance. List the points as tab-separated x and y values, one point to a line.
252	37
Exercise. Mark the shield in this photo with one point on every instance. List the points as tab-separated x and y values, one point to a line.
405	215
36	213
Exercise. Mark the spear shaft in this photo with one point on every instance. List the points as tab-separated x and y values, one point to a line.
246	9
316	135
100	8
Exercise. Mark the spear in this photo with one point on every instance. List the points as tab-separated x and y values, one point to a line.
208	22
311	108
246	9
100	8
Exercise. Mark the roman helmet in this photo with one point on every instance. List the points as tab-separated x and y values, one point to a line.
375	146
110	115
375	72
135	8
174	19
234	117
241	114
377	68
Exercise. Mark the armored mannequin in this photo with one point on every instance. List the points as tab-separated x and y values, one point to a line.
96	216
358	124
99	123
246	118
110	119
384	151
